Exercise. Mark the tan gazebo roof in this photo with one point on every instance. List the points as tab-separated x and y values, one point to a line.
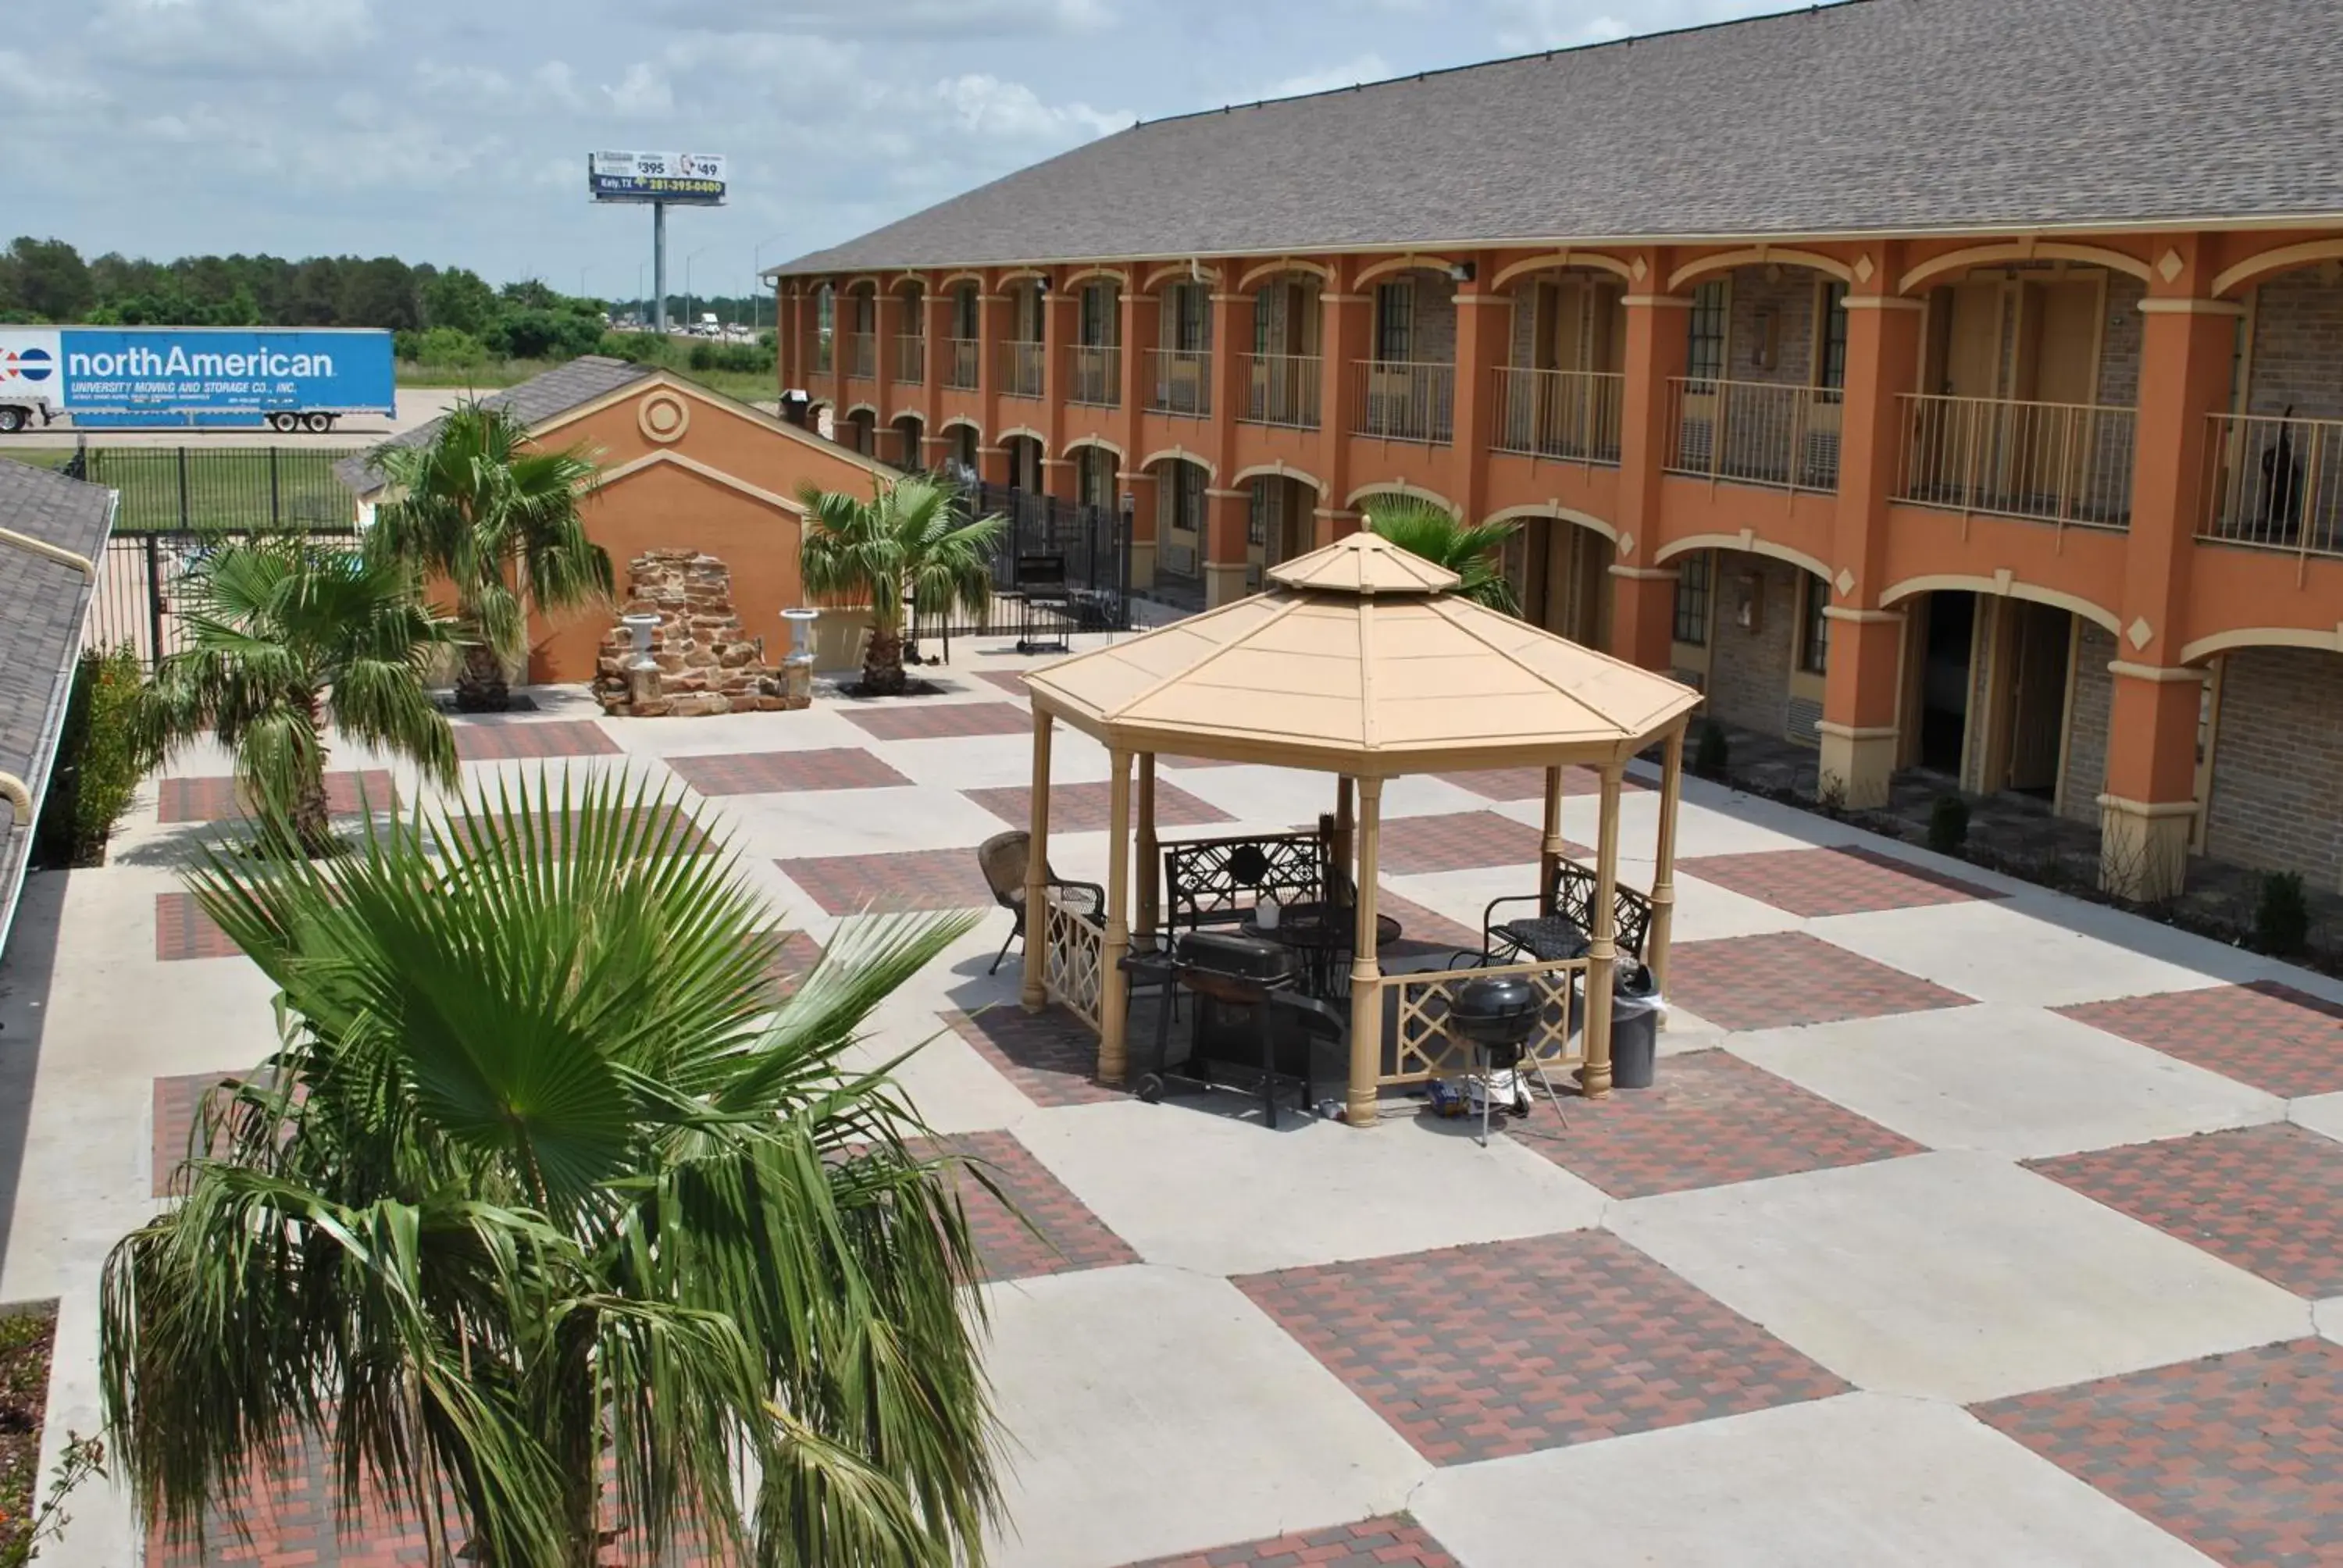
1358	659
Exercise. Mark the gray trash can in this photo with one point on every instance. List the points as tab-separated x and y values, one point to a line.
1635	1027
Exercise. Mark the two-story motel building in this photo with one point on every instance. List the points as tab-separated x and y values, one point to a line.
1944	383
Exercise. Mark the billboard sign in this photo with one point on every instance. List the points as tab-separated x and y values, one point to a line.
693	179
201	370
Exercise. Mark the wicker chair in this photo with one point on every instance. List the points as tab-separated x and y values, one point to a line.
1003	858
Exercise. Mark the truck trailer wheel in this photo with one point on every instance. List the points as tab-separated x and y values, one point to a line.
12	420
316	424
284	423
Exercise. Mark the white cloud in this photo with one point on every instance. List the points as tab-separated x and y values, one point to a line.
229	36
1368	67
986	105
41	89
643	93
901	19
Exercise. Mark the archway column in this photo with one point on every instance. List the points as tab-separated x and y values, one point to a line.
1642	611
1343	328
1484	323
1228	517
1643	615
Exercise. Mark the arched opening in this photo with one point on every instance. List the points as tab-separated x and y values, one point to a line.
911	366
860	432
2279	446
1098	477
2006	694
1179	523
1407	384
1280	522
911	444
862	332
2272	734
1560	392
1750	634
1759	396
1561	574
1024	464
1281	373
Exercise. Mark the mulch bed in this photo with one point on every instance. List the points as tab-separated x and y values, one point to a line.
27	1334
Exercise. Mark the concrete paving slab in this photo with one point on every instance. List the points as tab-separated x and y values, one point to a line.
1151	1412
2011	1081
2322	1113
1191	1189
1862	1481
1956	1276
2327	1317
991	761
811	729
824	822
1996	950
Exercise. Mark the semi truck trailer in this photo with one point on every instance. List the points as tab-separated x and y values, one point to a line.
145	378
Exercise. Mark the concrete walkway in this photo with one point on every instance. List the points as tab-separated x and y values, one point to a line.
1967	1224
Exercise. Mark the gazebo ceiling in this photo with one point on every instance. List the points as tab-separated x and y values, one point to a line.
1361	661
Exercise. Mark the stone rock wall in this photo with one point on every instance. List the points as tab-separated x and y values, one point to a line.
707	663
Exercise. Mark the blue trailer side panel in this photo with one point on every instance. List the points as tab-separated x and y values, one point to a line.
221	375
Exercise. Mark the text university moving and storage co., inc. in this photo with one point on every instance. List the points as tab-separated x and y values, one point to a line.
106	376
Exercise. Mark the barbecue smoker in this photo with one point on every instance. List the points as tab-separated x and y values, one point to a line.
1249	1027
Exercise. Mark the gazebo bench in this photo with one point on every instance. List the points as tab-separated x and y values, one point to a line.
1571	896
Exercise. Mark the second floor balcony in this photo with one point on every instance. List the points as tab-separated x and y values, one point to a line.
1777	434
1281	390
1401	400
2058	463
910	360
1020	369
1180	381
960	355
862	355
2277	483
1096	378
1570	414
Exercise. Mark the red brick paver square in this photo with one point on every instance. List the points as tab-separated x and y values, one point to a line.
1012	681
1786	977
920	720
907	880
788	954
1458	841
1709	1119
2279	1040
2235	1454
784	772
217	799
177	1103
1529	783
183	931
1843	879
2268	1199
692	833
1051	1056
1057	1234
1392	1542
525	739
1084	808
1508	1347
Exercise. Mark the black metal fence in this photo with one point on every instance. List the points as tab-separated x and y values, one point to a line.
222	487
1057	568
141	579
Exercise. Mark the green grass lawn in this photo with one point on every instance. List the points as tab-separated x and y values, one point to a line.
217	487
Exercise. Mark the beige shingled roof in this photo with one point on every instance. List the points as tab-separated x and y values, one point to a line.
1360	661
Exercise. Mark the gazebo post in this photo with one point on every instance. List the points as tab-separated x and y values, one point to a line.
1035	992
1114	1013
1595	1079
1150	869
1359	1107
1339	851
1663	863
1549	845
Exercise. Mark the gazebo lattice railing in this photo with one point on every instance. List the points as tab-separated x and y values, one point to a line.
1075	970
1417	1006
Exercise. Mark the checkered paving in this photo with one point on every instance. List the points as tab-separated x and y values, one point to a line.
1085	808
217	799
2235	1454
694	835
1529	783
182	930
1787	978
908	879
1458	841
1012	681
1508	1347
2268	1199
920	720
513	741
1709	1119
1843	879
2279	1040
1056	1233
178	1101
788	956
1393	1542
1051	1055
785	772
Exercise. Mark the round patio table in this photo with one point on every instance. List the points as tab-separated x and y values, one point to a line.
1321	934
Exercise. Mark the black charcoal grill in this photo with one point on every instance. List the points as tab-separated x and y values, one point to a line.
1497	1018
1235	979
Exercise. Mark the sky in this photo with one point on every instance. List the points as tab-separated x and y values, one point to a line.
457	131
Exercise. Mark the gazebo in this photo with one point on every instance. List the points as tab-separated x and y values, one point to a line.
1358	661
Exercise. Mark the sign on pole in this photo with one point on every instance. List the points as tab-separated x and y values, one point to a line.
684	179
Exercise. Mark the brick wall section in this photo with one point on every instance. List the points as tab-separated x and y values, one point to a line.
2299	346
1792	300
2086	733
1749	672
1435	341
2119	346
2278	763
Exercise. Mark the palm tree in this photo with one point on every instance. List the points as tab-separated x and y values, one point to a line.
287	637
907	541
1473	553
540	1189
500	522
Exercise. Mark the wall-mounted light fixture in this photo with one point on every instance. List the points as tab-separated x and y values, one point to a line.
1461	271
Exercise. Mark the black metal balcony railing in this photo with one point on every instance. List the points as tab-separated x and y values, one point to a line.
1180	381
1403	400
1097	374
1570	414
1772	433
1020	369
959	364
862	355
2276	483
2051	462
1283	389
910	360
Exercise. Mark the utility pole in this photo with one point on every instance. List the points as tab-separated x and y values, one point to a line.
658	267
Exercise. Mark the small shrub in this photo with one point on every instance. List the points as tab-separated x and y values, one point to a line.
100	759
1949	825
451	346
2282	918
1712	753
